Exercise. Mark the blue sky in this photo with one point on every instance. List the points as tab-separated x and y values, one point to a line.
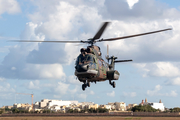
171	3
47	70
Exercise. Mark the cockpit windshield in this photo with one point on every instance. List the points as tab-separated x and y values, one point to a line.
84	59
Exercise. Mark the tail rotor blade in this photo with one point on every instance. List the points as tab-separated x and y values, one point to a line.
123	61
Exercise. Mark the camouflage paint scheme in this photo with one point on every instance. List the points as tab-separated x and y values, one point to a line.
101	66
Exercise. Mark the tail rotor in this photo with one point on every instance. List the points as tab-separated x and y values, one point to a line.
113	59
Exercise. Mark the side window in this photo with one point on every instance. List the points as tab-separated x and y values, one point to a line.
103	63
94	60
107	66
100	63
77	61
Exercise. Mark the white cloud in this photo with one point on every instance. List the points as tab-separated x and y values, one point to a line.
72	52
131	3
75	90
34	71
13	68
61	88
52	71
34	84
9	6
2	79
165	69
130	94
29	33
175	81
111	94
91	92
156	92
173	94
63	18
6	88
72	80
160	69
57	96
82	96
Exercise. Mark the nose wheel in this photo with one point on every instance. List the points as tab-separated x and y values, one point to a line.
85	85
113	84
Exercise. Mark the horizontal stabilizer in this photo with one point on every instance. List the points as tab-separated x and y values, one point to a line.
123	61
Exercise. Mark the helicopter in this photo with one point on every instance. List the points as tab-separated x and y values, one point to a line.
90	66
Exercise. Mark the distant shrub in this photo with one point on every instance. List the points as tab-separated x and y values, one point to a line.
176	109
144	108
1	111
15	110
46	111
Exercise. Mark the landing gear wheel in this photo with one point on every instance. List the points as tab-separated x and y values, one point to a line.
114	84
88	84
83	87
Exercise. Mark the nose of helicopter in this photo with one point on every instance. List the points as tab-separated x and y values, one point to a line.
82	68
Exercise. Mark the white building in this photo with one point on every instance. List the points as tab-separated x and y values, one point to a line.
16	105
113	106
60	103
87	105
159	105
108	107
121	106
36	105
43	103
55	108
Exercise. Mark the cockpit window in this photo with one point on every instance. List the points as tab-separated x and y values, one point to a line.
84	59
89	58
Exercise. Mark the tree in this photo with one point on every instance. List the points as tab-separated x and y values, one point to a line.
70	111
7	109
144	108
82	111
102	110
15	110
176	109
46	111
91	110
1	111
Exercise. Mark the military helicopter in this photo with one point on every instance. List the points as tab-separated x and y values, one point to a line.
90	66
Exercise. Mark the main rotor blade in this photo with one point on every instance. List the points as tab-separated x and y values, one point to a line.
111	39
46	41
101	30
123	61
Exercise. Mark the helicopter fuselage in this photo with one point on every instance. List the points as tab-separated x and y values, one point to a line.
90	67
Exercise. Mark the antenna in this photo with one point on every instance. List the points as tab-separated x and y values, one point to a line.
107	57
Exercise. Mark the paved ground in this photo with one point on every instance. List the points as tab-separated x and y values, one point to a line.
89	118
